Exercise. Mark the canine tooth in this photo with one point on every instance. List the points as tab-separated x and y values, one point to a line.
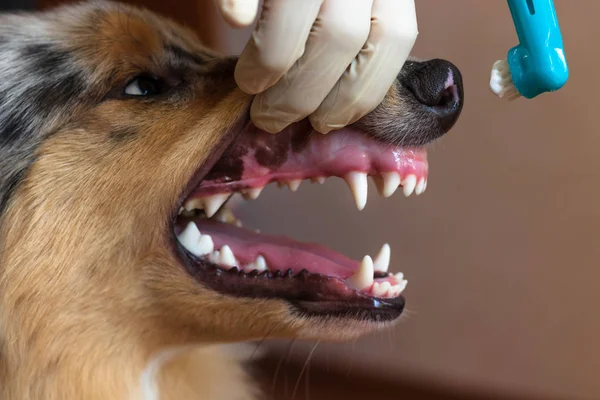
382	261
391	181
294	184
420	187
253	193
408	185
363	277
194	204
425	185
205	245
189	237
180	210
213	203
227	257
357	181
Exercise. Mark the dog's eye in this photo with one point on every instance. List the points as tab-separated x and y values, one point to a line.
143	86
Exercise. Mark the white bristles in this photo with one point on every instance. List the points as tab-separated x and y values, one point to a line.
501	82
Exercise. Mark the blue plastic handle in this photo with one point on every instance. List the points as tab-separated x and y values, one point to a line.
538	64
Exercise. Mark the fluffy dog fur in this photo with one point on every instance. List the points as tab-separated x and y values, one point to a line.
94	304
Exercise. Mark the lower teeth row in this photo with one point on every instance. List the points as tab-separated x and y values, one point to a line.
363	279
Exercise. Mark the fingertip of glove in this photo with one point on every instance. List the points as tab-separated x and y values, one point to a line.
238	13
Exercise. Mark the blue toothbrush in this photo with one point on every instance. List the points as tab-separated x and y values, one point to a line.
538	63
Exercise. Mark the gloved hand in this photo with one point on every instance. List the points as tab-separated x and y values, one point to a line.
331	60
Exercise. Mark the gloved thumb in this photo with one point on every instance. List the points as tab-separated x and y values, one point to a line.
238	13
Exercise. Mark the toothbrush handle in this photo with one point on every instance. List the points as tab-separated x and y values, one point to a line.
540	54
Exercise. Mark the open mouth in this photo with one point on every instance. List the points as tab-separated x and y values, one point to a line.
219	253
223	255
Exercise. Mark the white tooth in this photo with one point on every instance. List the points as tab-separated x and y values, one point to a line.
357	181
227	257
420	188
205	245
382	261
383	288
238	223
321	179
375	289
294	185
260	265
395	291
402	286
363	277
391	181
180	210
213	203
194	204
425	185
189	237
215	257
399	276
254	192
408	185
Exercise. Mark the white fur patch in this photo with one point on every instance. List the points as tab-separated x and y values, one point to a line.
148	380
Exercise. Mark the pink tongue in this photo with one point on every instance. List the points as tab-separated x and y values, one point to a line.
256	158
281	253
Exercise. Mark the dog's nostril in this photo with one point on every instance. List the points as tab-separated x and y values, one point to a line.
437	84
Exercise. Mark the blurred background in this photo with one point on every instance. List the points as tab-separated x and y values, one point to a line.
502	251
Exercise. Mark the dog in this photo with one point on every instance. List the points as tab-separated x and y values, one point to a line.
123	274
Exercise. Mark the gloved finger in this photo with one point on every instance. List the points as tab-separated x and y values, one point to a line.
238	13
276	43
339	32
364	85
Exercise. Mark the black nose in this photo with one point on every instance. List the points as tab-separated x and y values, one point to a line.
437	84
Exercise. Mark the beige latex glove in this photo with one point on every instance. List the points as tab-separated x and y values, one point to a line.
330	60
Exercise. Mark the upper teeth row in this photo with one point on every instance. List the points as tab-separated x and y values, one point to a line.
386	183
202	246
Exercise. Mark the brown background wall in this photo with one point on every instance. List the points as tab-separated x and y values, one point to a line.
502	252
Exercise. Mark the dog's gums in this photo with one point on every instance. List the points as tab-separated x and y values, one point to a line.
239	262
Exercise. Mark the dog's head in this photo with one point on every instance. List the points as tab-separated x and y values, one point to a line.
121	138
